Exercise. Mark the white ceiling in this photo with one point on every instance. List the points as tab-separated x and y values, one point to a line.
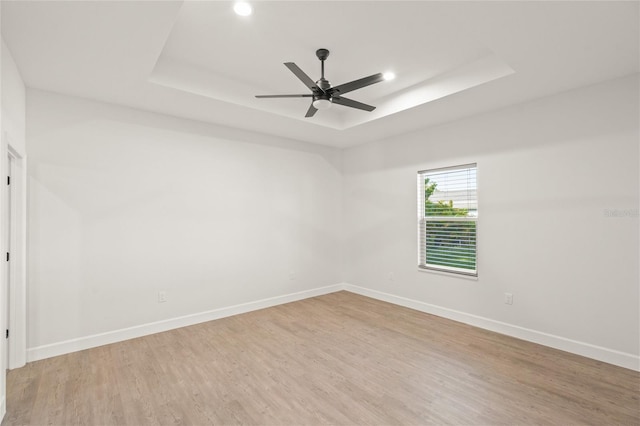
200	61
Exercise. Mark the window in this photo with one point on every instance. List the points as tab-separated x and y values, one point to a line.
447	217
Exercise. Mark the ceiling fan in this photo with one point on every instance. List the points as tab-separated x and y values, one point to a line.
322	94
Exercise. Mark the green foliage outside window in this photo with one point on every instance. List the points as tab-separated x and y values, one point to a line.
448	243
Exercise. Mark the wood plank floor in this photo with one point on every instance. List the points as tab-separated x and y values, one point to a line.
334	359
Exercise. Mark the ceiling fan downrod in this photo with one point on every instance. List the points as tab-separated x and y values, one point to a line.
323	54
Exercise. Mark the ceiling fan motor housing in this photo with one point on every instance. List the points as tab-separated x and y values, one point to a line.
323	84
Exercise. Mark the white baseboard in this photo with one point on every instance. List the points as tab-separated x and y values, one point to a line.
3	407
87	342
599	353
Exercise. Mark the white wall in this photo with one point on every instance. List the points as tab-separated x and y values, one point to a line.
13	102
124	204
547	172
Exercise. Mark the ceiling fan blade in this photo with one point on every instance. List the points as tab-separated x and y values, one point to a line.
303	77
311	111
351	103
357	84
285	96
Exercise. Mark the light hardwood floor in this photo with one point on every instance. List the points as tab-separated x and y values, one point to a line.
334	359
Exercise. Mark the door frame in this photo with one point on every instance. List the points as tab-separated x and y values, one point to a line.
17	282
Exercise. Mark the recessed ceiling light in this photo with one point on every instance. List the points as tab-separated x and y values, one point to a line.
388	75
242	8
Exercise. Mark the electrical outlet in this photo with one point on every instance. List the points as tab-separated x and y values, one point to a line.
391	277
508	298
162	296
292	275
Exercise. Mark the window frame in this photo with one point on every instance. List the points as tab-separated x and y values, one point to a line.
423	219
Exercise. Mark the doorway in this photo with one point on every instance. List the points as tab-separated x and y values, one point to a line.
13	289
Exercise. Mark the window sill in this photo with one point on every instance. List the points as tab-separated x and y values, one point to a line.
449	274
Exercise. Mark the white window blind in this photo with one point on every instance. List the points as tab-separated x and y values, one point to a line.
447	219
